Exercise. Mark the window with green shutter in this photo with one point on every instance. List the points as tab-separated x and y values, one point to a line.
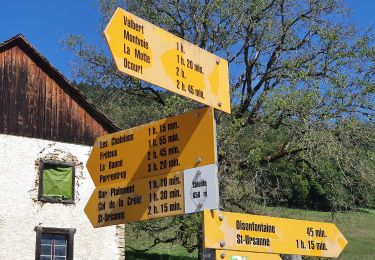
56	183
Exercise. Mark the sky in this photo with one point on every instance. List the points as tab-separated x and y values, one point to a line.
45	23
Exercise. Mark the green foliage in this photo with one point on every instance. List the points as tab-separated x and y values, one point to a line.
181	230
130	110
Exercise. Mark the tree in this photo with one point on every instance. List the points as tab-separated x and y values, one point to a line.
302	87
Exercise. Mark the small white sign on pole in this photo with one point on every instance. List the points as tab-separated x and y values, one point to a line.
201	188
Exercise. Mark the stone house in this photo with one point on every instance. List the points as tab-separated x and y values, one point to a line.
47	128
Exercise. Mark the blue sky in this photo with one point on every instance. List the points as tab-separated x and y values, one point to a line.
45	23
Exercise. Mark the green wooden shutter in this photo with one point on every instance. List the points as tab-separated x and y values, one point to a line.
57	182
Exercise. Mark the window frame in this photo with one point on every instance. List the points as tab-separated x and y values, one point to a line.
41	170
69	232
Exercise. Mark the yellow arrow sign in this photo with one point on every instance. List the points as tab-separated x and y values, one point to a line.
154	197
243	232
167	145
150	53
240	255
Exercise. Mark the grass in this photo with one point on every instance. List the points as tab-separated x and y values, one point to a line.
131	255
357	227
159	252
361	237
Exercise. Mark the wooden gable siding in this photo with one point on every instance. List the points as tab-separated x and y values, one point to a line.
33	104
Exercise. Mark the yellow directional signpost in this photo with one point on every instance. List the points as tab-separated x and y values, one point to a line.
239	255
152	54
168	167
159	196
243	232
167	145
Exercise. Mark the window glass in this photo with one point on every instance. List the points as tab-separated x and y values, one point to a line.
46	250
46	239
54	243
60	250
53	246
60	240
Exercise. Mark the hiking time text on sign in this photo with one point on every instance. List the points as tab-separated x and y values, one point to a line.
169	194
167	145
149	53
243	232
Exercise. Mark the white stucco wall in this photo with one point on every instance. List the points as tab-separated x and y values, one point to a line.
21	212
